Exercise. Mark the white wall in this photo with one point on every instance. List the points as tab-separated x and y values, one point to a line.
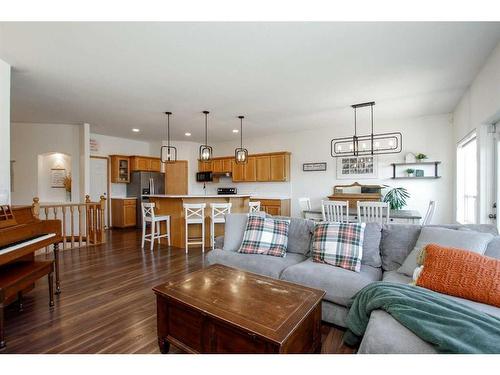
430	135
108	145
4	133
30	140
478	108
46	162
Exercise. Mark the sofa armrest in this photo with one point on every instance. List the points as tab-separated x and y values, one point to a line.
219	242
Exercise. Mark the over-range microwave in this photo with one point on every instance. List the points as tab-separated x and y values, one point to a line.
204	176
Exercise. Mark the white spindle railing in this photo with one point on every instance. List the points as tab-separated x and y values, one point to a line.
82	224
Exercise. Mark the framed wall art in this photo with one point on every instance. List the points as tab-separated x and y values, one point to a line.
57	176
314	167
357	167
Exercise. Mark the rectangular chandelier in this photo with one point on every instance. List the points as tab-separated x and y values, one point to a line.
370	144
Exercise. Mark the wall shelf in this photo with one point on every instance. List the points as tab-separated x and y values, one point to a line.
426	163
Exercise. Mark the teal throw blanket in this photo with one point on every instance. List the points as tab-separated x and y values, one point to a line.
451	327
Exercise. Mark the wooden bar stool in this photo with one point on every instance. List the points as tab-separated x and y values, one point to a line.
148	215
218	216
16	278
194	213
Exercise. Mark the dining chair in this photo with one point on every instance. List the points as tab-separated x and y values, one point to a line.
335	211
430	213
373	212
304	205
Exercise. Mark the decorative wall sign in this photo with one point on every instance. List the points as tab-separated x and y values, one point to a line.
57	177
410	158
314	167
357	167
94	145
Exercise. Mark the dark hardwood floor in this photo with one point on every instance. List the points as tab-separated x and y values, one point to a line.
106	304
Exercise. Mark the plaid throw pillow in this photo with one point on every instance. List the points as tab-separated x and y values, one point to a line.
265	236
339	244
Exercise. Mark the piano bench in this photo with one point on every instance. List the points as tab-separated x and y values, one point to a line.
16	277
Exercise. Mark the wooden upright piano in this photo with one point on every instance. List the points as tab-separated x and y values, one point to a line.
21	234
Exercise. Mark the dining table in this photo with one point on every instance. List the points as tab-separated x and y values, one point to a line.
395	216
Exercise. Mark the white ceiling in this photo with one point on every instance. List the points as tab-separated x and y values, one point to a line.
282	76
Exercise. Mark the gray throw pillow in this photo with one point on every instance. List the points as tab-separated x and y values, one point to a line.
300	234
234	230
460	239
371	245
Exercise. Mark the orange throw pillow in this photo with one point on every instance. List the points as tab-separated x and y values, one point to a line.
461	273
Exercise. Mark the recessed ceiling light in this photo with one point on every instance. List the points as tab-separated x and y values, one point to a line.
236	131
187	134
135	130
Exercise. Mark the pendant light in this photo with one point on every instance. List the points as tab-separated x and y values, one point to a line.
168	154
366	145
206	151
240	153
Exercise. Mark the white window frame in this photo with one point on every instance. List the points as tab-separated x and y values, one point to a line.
461	197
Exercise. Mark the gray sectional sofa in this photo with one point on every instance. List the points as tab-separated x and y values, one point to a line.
384	250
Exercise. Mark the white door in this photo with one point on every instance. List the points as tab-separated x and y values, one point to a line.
99	181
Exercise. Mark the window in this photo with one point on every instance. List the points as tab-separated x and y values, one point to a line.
467	180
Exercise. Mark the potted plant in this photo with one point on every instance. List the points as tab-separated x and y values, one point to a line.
420	157
396	198
410	172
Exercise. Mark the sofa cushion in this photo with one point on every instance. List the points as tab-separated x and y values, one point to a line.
385	335
261	264
396	277
339	284
396	243
234	229
462	239
493	249
371	245
299	234
339	244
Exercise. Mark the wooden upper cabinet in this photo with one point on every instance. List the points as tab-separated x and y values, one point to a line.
260	167
217	166
155	165
263	168
227	165
145	164
120	169
280	167
238	172
250	169
205	166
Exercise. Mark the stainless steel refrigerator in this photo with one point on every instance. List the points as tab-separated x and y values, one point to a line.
144	183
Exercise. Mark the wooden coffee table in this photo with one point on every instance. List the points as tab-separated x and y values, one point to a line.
220	309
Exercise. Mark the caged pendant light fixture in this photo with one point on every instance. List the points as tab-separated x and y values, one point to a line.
206	151
240	153
371	144
168	154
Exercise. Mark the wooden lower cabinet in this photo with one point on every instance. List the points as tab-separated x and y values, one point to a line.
275	207
123	211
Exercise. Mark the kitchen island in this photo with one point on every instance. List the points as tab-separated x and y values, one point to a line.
173	205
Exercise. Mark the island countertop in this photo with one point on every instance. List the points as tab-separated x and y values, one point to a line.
197	196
